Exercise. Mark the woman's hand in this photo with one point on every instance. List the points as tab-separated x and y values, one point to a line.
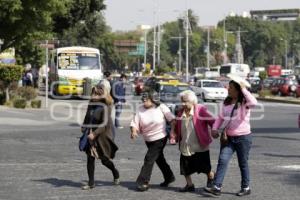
133	135
215	134
91	137
242	84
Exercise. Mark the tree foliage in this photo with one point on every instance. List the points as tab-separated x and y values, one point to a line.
20	19
10	74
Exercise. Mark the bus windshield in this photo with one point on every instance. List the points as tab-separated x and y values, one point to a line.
225	70
78	61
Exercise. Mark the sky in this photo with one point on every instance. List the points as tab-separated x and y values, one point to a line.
128	14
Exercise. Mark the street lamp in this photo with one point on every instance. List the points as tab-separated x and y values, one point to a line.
179	52
286	52
145	28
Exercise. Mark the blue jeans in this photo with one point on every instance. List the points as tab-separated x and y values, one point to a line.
242	145
118	108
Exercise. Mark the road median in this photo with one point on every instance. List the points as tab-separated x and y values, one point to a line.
289	100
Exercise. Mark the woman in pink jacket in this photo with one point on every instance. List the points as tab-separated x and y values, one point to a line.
150	121
236	115
193	135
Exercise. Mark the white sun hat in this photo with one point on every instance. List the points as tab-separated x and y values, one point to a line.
239	80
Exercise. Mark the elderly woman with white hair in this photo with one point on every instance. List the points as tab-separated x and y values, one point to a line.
193	135
98	123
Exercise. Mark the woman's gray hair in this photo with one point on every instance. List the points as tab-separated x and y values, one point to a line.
105	85
190	96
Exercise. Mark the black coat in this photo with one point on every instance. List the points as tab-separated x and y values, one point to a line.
98	118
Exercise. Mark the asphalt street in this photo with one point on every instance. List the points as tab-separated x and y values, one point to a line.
40	158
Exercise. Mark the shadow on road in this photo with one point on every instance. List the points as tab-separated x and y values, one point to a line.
204	194
275	130
60	182
281	156
278	138
69	183
288	177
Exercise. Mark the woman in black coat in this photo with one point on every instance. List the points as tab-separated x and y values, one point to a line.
99	124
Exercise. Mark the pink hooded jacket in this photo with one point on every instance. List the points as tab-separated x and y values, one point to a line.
201	120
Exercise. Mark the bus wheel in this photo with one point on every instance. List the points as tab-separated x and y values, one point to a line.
54	93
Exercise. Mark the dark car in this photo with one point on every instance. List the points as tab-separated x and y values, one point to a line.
169	93
267	83
288	87
284	87
256	86
298	91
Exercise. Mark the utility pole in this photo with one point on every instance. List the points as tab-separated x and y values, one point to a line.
154	35
145	48
239	57
187	29
286	54
208	48
225	43
154	46
179	52
47	78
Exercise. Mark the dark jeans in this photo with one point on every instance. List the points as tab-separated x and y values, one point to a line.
155	154
91	168
118	108
242	146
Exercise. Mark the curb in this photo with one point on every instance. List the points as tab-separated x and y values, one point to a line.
297	102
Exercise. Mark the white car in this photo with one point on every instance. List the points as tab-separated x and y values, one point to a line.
210	90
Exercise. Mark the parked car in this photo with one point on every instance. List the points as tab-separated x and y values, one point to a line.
267	83
288	87
210	90
284	87
255	86
298	91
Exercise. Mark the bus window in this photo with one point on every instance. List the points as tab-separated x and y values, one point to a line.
225	70
75	61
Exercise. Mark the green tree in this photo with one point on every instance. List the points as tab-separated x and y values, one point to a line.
8	75
20	19
83	24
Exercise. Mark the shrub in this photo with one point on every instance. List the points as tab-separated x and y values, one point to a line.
8	103
27	93
36	103
264	93
20	103
8	75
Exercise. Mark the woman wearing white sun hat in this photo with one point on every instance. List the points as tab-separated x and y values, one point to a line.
236	114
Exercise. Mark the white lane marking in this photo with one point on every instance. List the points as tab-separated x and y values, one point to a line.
21	121
293	167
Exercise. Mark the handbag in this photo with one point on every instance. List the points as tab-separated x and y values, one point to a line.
84	141
168	124
224	137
